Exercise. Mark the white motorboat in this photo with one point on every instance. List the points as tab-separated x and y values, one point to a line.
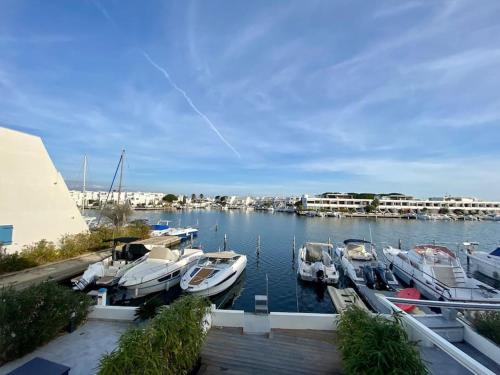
161	270
183	233
437	273
214	273
108	271
315	263
161	228
482	262
359	261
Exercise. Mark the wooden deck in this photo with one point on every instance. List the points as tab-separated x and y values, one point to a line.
229	351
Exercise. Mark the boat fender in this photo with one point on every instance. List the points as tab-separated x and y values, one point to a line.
320	275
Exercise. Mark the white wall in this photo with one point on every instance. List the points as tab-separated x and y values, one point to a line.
33	195
322	322
126	313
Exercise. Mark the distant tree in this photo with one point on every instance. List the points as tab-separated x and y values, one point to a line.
444	210
184	200
193	197
202	196
118	214
169	198
458	212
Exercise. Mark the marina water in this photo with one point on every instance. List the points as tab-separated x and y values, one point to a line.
273	270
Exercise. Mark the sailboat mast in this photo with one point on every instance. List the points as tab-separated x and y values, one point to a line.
84	181
122	159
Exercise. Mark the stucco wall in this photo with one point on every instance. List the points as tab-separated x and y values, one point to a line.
33	195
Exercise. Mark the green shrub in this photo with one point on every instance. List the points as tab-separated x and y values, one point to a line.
149	308
487	323
170	344
14	262
372	344
33	316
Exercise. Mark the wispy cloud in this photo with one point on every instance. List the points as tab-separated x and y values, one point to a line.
191	104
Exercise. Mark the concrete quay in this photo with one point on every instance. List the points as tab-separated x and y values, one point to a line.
67	268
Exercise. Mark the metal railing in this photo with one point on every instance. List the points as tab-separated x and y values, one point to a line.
465	360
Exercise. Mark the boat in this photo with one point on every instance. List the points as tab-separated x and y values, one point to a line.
214	273
161	228
315	263
485	263
108	271
183	233
437	273
358	259
161	270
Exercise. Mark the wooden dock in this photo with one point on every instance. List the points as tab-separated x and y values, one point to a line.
344	298
229	351
68	268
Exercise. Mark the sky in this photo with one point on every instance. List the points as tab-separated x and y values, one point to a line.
260	97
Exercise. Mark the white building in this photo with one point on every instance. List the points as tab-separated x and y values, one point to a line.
134	198
34	201
394	203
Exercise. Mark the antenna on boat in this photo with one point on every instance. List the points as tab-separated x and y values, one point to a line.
225	242
370	229
258	245
293	249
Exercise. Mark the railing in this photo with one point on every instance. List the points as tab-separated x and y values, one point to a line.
465	360
483	306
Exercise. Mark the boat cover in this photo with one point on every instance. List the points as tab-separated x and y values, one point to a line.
496	252
163	253
314	252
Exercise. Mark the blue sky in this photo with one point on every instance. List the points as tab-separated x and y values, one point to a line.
260	97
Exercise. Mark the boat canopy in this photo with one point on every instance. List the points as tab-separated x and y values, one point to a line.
163	253
314	251
426	249
353	240
222	255
496	252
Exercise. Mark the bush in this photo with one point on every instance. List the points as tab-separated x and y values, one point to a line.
170	344
487	323
33	316
14	262
372	344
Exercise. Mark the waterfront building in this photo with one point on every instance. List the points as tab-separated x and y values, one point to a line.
137	199
398	203
35	203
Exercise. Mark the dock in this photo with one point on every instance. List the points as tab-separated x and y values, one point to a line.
228	350
344	298
65	269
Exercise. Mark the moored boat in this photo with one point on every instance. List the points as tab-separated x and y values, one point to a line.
487	264
437	273
360	263
214	273
315	263
161	270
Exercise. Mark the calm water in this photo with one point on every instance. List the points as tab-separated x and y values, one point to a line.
276	231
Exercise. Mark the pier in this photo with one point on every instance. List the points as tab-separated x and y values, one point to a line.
67	268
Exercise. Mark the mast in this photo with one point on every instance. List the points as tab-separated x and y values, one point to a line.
84	182
122	159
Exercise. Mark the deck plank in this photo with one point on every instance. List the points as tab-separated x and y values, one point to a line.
229	351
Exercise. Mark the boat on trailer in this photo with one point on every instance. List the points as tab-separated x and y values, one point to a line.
214	273
161	270
437	273
315	263
358	259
